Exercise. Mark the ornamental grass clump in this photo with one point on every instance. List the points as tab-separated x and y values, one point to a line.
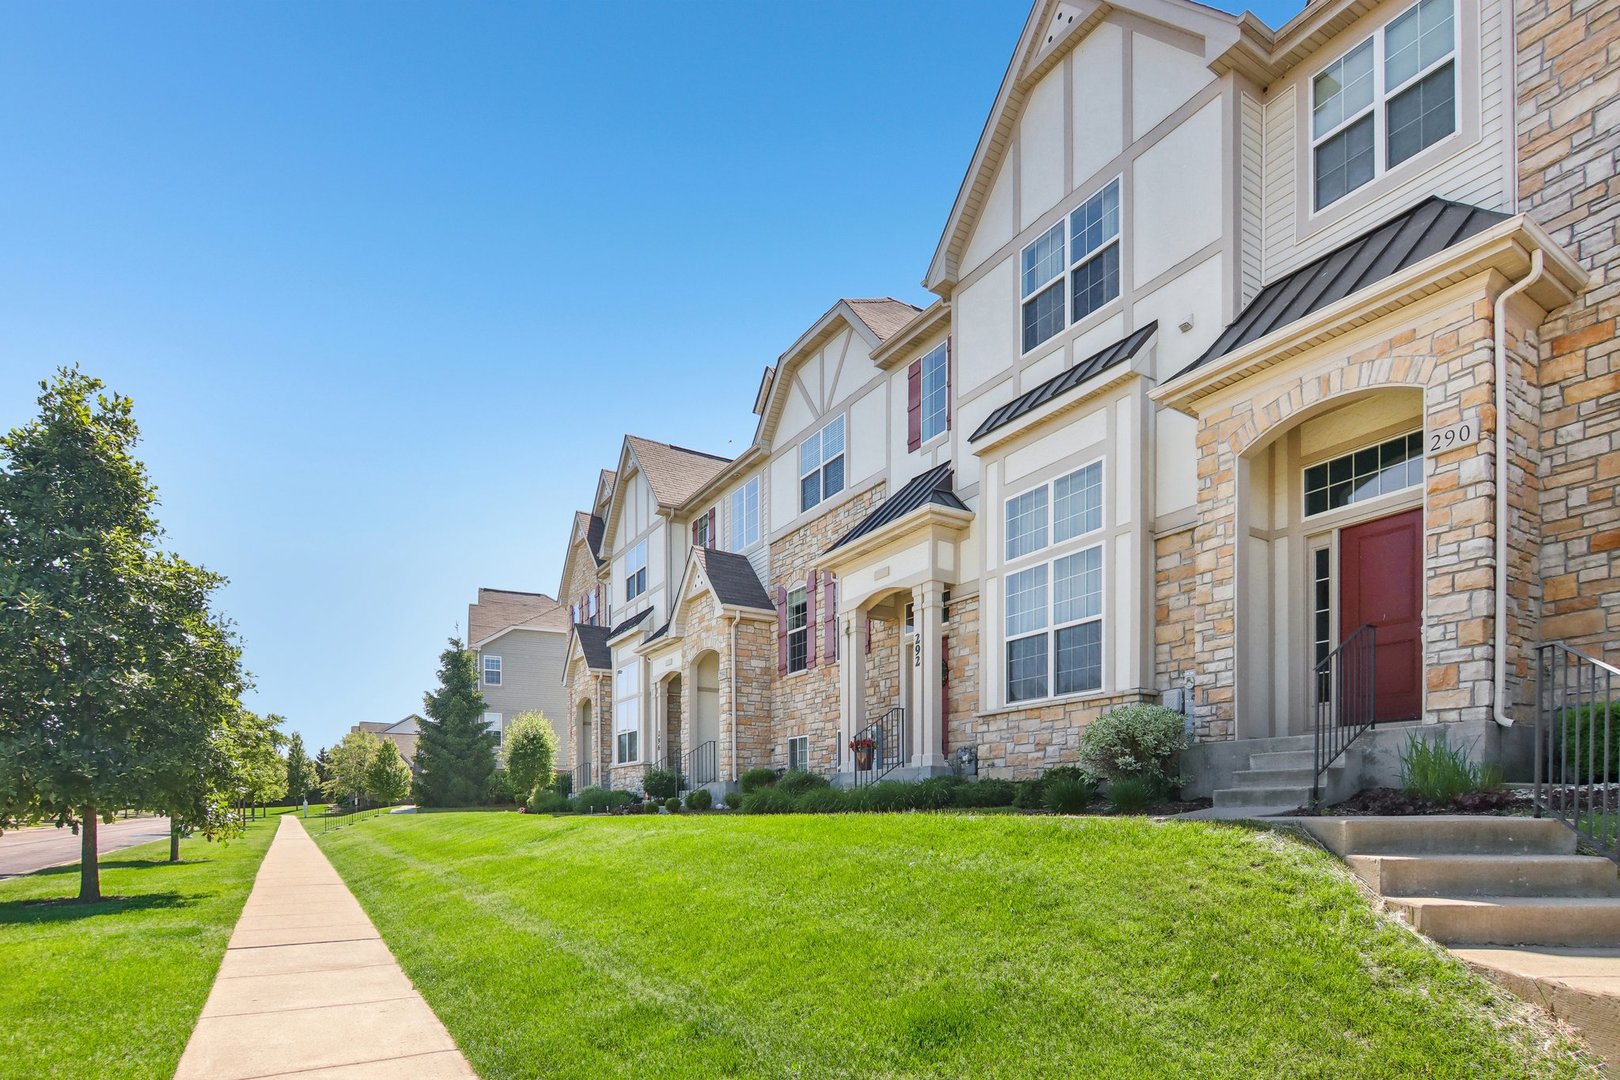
1134	794
754	779
1134	742
797	782
1069	794
1437	771
982	794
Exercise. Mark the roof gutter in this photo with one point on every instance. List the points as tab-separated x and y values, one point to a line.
1538	267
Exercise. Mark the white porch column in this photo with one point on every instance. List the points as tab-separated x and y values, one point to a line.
927	692
851	685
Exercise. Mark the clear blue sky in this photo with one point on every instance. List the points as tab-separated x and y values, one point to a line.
351	260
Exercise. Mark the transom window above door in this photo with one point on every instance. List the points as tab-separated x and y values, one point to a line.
1393	465
821	465
1072	269
1384	100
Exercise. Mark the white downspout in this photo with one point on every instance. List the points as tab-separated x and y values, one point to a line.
732	659
1499	328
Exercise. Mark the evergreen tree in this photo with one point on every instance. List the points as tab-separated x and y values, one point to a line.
300	770
116	680
323	768
455	752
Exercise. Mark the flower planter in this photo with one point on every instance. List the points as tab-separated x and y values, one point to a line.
863	759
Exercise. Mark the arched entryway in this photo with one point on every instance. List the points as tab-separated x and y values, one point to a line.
1331	539
704	759
584	773
673	748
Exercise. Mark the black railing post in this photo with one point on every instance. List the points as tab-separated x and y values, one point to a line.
1344	689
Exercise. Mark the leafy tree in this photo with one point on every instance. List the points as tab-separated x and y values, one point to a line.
261	773
388	778
116	680
300	770
455	752
529	753
348	765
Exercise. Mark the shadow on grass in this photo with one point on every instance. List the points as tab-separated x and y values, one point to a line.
67	909
112	864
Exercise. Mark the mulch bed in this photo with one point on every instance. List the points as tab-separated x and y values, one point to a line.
1386	802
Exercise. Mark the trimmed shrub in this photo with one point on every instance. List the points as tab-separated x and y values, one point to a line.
1133	742
699	799
563	784
822	800
984	793
768	800
797	782
1437	771
661	783
1069	794
934	793
617	800
673	804
1027	794
754	779
733	800
1134	794
1584	740
499	789
594	799
575	805
887	796
545	801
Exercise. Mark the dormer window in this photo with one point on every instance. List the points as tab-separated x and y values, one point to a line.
1384	100
1072	269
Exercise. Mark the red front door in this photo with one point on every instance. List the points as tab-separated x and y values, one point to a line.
1381	583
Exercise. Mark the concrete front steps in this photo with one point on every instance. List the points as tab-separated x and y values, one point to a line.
1509	895
1279	776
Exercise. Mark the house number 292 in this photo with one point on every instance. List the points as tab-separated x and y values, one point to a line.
1449	438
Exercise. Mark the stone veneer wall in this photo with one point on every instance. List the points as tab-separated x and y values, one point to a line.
748	702
1022	742
1569	182
597	688
806	702
1449	354
1175	615
962	674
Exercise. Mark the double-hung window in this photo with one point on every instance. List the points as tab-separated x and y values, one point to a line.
700	530
935	391
590	606
798	754
1389	97
635	571
798	630
492	671
1072	269
1054	610
626	713
745	516
821	465
492	722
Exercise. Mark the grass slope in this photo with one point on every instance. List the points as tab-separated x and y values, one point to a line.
916	945
113	989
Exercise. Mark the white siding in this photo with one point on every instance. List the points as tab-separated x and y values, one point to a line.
1251	178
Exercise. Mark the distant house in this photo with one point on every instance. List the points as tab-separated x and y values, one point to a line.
520	639
402	733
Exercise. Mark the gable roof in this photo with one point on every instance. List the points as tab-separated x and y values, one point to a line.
593	646
1061	383
884	316
934	486
733	579
501	609
1403	241
674	473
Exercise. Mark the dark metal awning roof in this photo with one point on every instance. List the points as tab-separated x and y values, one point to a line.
1061	383
933	486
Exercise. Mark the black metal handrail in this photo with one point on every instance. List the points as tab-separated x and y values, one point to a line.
1344	689
887	738
699	766
1575	779
581	775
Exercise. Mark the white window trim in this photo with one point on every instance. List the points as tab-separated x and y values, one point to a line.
824	462
804	742
1399	495
1049	554
1380	107
1070	264
944	412
636	551
738	522
802	590
485	669
633	698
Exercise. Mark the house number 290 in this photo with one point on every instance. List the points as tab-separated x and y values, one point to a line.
1449	438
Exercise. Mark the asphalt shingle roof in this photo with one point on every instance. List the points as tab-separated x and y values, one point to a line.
593	645
733	579
674	473
933	486
497	609
1427	229
1064	381
884	316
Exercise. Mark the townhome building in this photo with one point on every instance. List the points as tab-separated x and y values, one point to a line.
1269	377
519	640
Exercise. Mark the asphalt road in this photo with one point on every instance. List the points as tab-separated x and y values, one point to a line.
27	850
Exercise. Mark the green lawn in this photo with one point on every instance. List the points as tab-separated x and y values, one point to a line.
916	945
113	989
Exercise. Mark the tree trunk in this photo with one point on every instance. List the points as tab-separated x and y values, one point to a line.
89	867
174	840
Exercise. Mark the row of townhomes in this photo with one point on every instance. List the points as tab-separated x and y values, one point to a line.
1261	363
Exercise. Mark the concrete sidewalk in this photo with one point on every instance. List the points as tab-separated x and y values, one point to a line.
308	988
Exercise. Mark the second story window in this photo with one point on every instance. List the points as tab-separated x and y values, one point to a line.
492	671
1084	248
703	530
635	571
1389	97
745	516
590	607
821	465
798	630
928	396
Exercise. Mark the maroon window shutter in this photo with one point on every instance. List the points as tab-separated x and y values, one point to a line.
711	528
694	532
810	620
781	630
947	384
829	620
914	405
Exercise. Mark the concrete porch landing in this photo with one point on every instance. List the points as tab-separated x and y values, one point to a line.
308	988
